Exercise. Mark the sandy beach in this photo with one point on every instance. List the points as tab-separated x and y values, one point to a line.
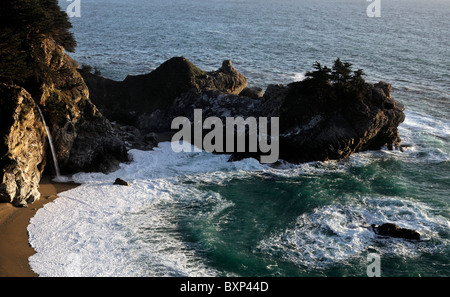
14	246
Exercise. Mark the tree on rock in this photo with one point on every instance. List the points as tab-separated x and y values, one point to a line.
23	26
341	73
321	76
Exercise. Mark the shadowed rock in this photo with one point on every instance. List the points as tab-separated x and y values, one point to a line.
392	230
121	182
125	101
252	92
318	122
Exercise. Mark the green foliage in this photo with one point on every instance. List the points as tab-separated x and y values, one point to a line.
341	75
357	79
87	69
23	26
321	76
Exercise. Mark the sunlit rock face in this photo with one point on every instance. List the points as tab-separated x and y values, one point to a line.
83	138
22	146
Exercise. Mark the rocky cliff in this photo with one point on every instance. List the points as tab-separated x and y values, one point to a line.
335	126
83	138
325	117
22	147
319	119
126	101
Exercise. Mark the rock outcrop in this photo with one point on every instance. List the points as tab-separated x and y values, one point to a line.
252	92
226	80
83	138
124	101
22	146
121	182
319	120
316	128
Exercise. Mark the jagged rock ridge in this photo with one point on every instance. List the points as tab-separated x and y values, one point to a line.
318	123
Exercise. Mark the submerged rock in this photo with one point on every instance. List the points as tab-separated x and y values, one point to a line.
393	230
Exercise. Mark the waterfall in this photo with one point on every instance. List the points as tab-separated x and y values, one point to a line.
55	160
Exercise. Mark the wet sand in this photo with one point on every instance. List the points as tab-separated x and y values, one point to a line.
14	246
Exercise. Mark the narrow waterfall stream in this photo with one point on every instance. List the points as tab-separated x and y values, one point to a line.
55	160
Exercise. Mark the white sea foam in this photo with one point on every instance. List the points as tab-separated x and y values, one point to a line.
426	138
299	76
415	122
337	233
99	229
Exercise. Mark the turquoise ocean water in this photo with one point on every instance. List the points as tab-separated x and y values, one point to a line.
195	214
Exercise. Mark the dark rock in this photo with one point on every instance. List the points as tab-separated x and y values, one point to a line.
252	92
385	87
392	230
389	104
121	182
319	127
126	101
133	138
330	122
276	93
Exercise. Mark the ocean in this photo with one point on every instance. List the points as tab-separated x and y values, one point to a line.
195	214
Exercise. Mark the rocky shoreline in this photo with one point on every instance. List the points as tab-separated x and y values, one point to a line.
319	120
314	126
